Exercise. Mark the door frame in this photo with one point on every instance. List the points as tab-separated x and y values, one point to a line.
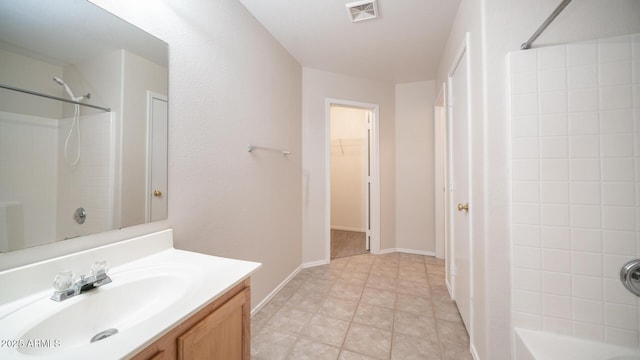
374	209
463	52
148	186
440	144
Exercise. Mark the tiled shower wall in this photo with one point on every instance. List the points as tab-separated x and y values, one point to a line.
575	126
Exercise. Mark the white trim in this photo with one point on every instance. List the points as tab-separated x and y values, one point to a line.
147	199
474	352
275	291
463	51
440	183
315	263
407	251
387	251
346	228
375	173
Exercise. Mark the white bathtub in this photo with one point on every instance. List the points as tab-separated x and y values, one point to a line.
540	345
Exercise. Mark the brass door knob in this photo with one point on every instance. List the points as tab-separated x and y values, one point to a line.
463	207
157	193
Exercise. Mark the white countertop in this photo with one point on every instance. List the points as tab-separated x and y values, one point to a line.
202	279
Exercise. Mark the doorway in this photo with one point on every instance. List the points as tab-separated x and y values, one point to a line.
352	179
350	140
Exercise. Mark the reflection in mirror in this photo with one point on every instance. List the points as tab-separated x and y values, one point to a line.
83	122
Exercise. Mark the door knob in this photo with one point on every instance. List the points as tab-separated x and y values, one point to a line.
463	207
157	193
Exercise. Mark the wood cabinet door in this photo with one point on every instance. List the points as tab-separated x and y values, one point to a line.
223	334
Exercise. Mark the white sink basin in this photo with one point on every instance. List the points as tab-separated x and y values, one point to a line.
133	297
154	288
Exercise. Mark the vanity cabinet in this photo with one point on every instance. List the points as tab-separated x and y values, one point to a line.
221	330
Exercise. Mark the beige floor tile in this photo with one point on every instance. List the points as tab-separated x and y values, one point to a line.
391	306
413	288
446	310
414	304
418	325
375	316
369	341
382	283
290	320
413	275
310	350
346	291
317	286
350	355
406	347
305	301
378	297
338	308
326	329
433	269
354	277
271	344
384	271
452	332
358	267
456	352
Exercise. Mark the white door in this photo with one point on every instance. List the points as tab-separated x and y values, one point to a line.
459	115
157	158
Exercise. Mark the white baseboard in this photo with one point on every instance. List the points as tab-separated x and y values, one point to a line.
315	263
408	251
346	228
474	353
275	291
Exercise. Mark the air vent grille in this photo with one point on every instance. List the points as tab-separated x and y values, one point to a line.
362	10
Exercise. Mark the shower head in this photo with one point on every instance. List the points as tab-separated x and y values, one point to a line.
68	90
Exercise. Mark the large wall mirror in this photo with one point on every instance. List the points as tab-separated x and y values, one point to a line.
83	122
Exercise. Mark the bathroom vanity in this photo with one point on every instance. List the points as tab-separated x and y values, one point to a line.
219	331
162	303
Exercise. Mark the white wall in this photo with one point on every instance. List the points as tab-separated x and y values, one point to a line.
230	84
497	27
415	227
348	168
139	76
31	74
317	86
28	173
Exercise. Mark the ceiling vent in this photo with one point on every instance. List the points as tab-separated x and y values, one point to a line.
362	10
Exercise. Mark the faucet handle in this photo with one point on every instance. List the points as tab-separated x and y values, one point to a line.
63	280
99	267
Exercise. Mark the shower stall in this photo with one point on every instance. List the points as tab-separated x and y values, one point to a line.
575	158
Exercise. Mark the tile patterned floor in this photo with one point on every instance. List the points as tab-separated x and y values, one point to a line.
393	306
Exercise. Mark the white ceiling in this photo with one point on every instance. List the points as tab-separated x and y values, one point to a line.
70	31
403	44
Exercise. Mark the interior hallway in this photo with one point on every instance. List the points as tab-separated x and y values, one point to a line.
392	306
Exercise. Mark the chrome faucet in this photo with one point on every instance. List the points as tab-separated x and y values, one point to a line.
66	285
